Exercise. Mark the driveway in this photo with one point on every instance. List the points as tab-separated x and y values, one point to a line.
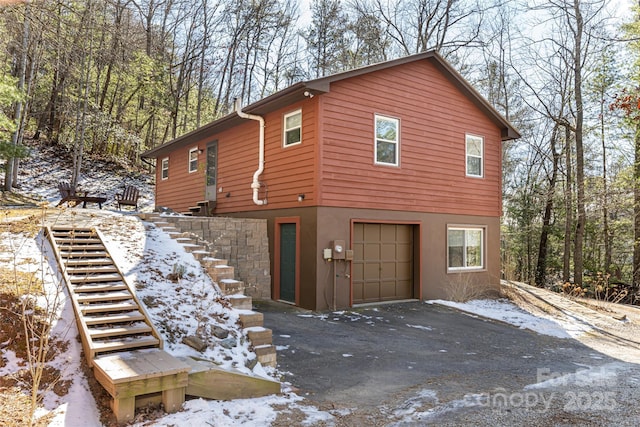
415	363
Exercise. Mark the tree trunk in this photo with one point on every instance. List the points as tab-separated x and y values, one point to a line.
568	200
578	261
541	267
636	210
11	172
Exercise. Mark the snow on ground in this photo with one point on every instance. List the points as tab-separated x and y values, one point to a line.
146	256
507	312
190	306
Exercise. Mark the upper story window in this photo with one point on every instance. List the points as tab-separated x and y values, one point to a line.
292	128
475	161
193	160
164	168
465	248
387	140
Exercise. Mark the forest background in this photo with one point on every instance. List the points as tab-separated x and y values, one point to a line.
109	79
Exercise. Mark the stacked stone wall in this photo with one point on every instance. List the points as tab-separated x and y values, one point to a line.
243	242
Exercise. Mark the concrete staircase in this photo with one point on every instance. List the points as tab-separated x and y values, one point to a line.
223	275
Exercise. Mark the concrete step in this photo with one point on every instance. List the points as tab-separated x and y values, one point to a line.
193	247
201	254
221	272
266	355
259	336
231	286
211	261
241	302
250	318
185	240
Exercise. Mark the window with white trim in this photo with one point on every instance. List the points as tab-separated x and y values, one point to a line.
387	140
475	149
465	248
292	128
193	160
164	168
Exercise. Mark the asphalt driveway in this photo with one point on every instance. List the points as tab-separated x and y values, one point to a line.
375	365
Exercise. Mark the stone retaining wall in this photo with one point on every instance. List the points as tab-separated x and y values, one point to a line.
243	242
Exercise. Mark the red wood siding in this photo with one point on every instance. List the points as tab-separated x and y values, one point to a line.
434	118
182	189
288	171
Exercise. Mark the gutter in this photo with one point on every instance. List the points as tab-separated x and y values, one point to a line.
255	185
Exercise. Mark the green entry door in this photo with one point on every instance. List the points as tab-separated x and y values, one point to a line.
288	262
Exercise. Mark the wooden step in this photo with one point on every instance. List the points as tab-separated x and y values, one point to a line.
95	278
108	308
141	328
104	296
64	241
133	316
92	270
73	254
78	248
100	287
85	262
124	344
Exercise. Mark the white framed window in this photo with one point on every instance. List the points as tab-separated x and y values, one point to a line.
475	157
292	128
193	160
164	168
387	144
465	248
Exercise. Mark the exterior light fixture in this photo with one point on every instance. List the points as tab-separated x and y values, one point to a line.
300	197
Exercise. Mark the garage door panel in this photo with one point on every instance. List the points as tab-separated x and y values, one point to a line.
371	291
371	271
404	234
388	270
358	251
404	287
388	251
388	232
388	290
371	232
404	252
372	252
404	270
358	291
383	262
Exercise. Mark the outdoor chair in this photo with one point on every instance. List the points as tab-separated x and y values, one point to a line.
128	197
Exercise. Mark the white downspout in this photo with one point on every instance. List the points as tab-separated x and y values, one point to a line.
255	185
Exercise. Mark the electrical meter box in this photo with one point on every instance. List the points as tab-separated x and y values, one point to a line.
339	249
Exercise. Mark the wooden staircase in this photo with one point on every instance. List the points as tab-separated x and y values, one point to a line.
121	343
110	318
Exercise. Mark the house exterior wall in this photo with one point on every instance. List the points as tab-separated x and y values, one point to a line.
320	226
334	164
434	118
335	170
289	171
181	189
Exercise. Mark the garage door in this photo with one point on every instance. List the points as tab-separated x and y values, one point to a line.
382	262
